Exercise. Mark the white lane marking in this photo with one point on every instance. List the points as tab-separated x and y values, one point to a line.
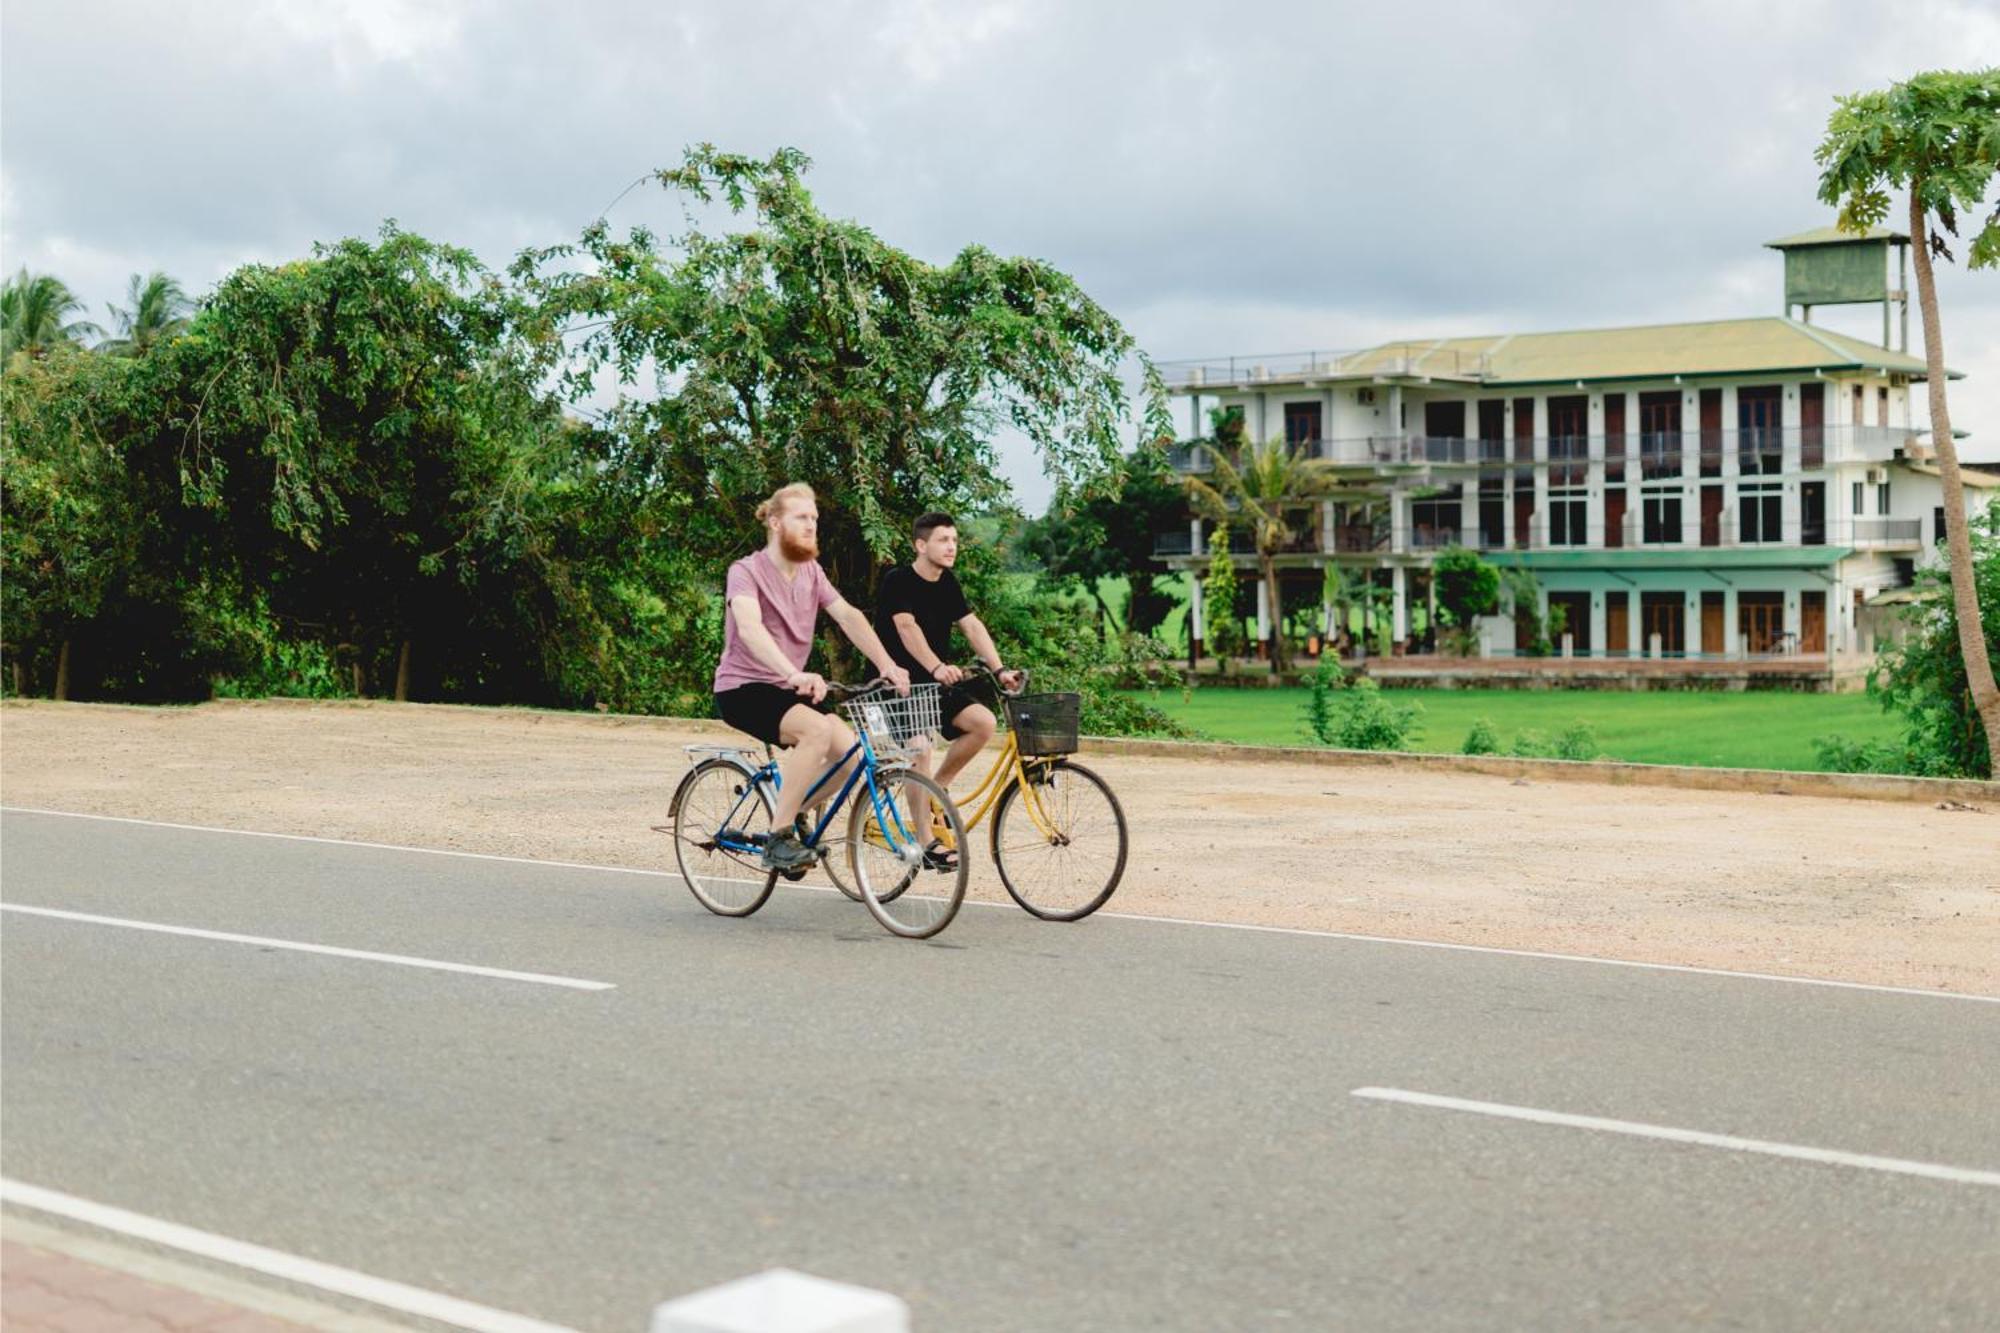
1302	931
1931	1170
275	1263
401	960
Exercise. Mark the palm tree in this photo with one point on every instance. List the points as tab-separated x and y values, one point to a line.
159	311
35	310
1264	489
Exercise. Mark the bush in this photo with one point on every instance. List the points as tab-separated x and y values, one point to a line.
1466	586
1366	719
1837	754
1924	678
1320	706
1578	741
1482	739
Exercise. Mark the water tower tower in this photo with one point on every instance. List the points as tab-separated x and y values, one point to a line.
1828	266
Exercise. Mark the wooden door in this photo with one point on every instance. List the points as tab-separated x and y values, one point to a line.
1711	432
1663	614
1711	516
1614	516
1812	425
1711	624
1812	622
1617	625
1760	618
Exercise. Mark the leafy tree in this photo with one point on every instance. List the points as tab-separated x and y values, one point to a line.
805	348
1267	488
1937	137
35	316
1218	593
1467	587
159	310
1925	678
1109	535
68	514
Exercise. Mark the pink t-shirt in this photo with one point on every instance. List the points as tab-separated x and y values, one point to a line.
790	608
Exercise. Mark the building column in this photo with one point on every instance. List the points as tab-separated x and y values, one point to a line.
1635	630
1691	623
1732	634
1538	526
1399	521
1400	622
1263	612
1599	644
1794	616
1195	627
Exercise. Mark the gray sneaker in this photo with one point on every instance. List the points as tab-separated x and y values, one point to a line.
785	852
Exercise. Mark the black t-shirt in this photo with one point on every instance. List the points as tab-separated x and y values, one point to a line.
937	606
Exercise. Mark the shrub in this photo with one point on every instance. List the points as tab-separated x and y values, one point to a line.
1578	740
1837	754
1366	719
1320	707
1482	739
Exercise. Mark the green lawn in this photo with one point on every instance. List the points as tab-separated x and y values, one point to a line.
1750	730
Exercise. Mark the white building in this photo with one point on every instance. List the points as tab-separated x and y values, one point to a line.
1734	488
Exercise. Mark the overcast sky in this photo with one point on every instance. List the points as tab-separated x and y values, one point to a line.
1226	178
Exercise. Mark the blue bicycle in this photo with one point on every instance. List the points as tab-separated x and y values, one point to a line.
720	817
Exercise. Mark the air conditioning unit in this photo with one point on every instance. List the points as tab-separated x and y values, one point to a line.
1364	396
1877	476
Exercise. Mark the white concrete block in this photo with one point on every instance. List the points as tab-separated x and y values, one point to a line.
784	1301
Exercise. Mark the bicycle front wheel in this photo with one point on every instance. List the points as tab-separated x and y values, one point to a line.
718	809
885	853
1063	858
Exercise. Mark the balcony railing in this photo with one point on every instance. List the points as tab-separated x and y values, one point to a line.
1759	452
1291	367
1887	531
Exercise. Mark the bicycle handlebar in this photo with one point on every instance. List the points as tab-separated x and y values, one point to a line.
976	668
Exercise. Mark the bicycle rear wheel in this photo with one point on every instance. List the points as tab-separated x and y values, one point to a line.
1065	871
715	796
885	852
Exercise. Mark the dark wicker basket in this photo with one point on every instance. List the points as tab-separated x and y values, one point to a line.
1044	724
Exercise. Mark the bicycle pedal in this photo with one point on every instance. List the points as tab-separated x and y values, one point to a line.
795	874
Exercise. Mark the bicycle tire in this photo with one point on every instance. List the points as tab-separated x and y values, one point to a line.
727	883
891	886
1031	866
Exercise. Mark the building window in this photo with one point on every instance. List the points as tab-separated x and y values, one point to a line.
1937	526
1860	505
1659	435
1434	522
1760	513
1302	426
1568	517
1661	518
1492	520
1759	441
1882	499
1881	407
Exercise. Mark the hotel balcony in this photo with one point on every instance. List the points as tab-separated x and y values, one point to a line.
1409	360
1632	456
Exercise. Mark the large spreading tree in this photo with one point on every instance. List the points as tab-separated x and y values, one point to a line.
803	347
1935	137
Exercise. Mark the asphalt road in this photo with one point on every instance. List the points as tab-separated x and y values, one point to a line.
1113	1125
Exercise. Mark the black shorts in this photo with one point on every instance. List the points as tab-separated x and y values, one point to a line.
758	708
957	698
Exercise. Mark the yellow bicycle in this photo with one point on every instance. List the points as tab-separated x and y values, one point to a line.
1058	836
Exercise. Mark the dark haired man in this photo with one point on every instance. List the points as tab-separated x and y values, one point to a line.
916	606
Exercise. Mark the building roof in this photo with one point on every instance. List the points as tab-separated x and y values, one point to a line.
1967	476
1651	351
1704	557
1835	236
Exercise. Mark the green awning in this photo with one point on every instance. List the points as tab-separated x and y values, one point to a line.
1703	557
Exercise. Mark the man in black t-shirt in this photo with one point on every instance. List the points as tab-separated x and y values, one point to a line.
915	608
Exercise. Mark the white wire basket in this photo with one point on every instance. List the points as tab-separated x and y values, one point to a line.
899	726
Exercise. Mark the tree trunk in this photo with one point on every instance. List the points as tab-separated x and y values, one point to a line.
20	678
403	674
360	682
1964	593
62	672
1274	610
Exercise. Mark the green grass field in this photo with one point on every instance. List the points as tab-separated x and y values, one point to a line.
1751	730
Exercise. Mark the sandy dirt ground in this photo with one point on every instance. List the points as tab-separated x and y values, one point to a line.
1869	891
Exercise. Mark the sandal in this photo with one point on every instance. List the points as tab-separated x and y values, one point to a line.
937	856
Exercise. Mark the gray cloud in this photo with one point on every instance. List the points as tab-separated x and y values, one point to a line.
1225	178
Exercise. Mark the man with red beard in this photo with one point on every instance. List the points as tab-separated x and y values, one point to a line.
774	597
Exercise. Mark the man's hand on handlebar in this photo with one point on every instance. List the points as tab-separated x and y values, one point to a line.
897	676
944	673
809	684
1012	680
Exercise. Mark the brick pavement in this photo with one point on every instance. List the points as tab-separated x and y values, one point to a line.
44	1291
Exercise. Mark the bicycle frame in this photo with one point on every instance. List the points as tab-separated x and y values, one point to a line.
1008	766
887	816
